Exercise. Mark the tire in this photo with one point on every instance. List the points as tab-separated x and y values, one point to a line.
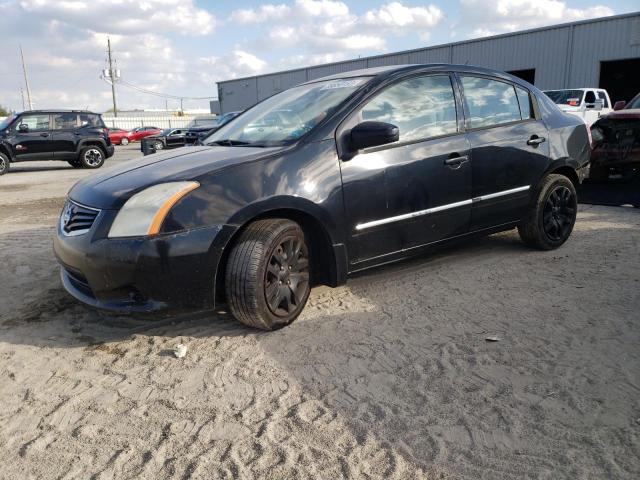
91	156
551	217
124	141
264	289
75	163
158	145
5	164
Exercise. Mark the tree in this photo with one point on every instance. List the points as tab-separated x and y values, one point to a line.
4	112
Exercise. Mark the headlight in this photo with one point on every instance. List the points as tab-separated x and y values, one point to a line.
144	213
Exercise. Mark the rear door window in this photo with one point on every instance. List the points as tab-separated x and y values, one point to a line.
65	121
489	102
91	120
421	107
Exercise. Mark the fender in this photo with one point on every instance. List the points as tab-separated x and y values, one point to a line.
83	143
5	147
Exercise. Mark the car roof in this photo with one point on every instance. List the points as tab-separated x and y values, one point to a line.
58	111
392	70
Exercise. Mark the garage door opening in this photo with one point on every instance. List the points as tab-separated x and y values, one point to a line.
526	75
620	78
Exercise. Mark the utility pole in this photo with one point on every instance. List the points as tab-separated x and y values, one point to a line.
26	80
112	76
181	109
22	96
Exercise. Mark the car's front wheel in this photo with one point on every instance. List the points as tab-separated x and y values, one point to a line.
4	164
158	145
267	274
552	215
124	141
92	157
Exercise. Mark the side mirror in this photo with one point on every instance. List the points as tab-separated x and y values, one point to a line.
373	134
23	128
619	105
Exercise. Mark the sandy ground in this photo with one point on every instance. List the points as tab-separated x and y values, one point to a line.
387	377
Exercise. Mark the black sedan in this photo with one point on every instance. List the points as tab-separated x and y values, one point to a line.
363	168
200	129
166	139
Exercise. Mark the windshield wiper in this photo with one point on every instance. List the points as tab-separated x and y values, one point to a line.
229	143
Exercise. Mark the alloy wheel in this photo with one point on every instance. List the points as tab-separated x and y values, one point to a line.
158	145
559	213
287	277
124	141
3	164
93	157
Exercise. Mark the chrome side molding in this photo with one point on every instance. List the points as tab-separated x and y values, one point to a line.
406	216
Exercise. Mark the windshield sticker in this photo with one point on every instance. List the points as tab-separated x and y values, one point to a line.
342	84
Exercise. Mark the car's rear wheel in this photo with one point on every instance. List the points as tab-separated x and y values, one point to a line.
124	141
551	217
4	164
267	274
75	163
158	145
91	157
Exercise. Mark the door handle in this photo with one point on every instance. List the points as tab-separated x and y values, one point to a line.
534	141
456	161
44	134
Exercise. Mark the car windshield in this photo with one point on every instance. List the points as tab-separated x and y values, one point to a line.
565	97
635	103
287	116
7	121
166	132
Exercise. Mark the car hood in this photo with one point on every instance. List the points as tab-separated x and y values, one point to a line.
201	129
626	114
112	188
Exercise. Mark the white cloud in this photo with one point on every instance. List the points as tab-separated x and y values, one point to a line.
397	15
65	48
263	14
490	16
237	63
322	8
137	16
320	27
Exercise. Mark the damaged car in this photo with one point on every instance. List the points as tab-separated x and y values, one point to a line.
616	143
320	181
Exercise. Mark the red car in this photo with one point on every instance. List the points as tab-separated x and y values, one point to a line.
616	142
139	133
118	136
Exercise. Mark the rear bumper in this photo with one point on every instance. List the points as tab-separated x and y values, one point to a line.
110	150
171	272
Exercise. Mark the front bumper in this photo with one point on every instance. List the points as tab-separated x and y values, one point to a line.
169	272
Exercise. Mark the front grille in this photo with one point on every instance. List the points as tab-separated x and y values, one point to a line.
77	219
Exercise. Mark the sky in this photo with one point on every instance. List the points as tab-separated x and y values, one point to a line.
182	47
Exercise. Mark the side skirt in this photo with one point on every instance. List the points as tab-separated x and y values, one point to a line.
417	250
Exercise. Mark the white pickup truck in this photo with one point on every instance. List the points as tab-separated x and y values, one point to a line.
586	103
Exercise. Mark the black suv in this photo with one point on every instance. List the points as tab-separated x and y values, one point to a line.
75	136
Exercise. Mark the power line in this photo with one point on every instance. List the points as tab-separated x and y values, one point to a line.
163	95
